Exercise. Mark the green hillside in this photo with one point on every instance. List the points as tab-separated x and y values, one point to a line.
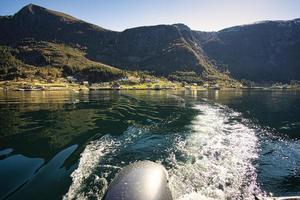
46	60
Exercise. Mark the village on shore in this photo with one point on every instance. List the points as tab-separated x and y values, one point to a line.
131	83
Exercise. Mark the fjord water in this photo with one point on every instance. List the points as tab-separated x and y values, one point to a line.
214	144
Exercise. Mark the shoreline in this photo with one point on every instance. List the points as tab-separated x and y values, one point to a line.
61	86
136	89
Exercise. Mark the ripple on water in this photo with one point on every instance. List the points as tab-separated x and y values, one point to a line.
212	160
221	150
97	165
84	181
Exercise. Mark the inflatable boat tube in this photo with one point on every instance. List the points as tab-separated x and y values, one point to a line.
144	180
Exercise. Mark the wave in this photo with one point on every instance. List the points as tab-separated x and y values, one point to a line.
89	160
98	164
211	159
221	150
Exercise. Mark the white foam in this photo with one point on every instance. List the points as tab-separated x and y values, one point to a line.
88	161
215	159
220	149
89	180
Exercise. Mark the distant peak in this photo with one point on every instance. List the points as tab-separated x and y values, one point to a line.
181	26
32	9
31	5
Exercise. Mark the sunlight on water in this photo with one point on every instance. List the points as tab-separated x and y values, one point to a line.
221	150
213	160
250	146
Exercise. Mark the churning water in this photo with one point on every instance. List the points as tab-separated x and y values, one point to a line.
211	158
212	147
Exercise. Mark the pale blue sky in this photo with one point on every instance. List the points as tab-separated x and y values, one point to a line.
209	15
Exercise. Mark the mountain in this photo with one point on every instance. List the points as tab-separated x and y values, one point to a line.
30	59
160	49
36	39
267	51
37	22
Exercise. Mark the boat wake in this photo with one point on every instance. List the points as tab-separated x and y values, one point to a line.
84	177
220	151
211	159
97	166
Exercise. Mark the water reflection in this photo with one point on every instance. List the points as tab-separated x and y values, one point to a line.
45	132
16	170
43	124
54	176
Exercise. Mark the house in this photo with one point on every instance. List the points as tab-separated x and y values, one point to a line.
147	80
206	85
124	79
285	86
71	79
216	87
85	83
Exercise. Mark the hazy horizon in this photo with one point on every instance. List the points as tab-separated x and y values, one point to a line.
199	15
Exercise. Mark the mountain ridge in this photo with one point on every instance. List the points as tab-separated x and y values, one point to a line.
267	51
165	49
